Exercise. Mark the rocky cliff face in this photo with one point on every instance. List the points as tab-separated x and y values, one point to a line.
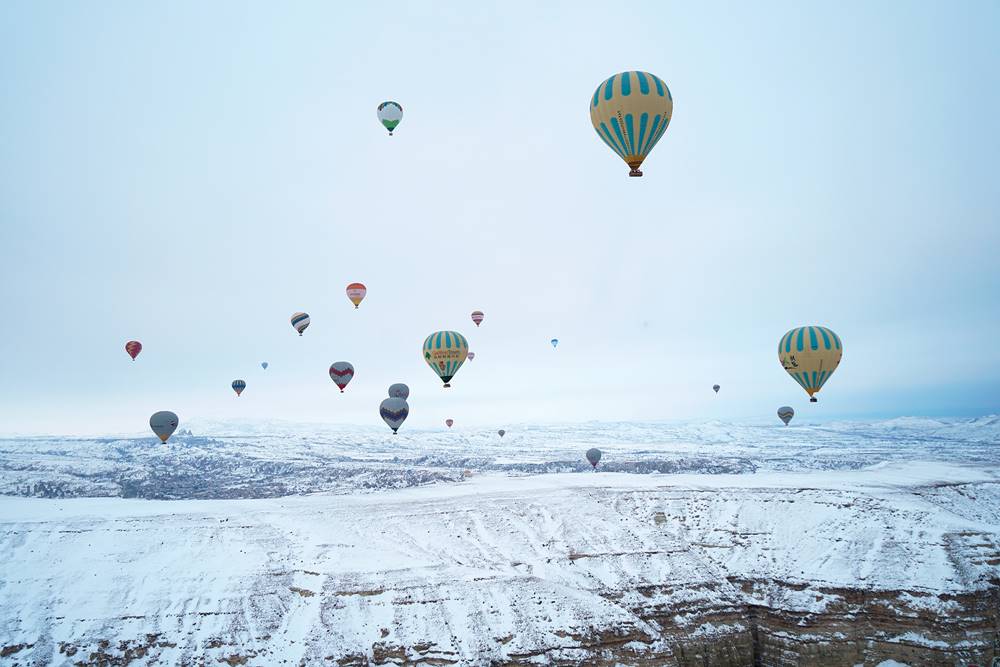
862	629
846	568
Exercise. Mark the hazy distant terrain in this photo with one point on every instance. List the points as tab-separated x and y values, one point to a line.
270	459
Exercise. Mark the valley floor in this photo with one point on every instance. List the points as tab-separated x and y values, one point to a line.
898	561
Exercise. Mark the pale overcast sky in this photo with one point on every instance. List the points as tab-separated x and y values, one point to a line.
189	174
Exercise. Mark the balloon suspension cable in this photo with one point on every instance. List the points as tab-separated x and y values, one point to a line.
635	172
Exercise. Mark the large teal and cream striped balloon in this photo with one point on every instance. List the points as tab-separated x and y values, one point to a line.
630	112
445	352
810	355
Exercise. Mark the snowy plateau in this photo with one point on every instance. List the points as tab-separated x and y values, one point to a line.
695	544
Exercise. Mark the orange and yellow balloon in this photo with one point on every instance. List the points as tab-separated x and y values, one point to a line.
356	293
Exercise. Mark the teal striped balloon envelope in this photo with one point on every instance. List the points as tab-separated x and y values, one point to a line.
630	112
445	352
810	355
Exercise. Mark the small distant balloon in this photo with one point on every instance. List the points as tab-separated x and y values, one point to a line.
389	114
477	317
555	343
594	456
133	347
394	412
356	293
716	388
785	414
501	432
445	352
471	356
399	390
239	386
300	321
163	423
263	365
341	372
810	355
449	422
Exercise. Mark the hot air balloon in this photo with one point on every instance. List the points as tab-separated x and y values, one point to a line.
239	386
555	342
449	422
300	321
716	388
341	373
389	114
263	365
594	456
356	293
477	317
470	356
133	347
501	432
785	414
630	112
163	423
394	412
399	390
810	355
445	352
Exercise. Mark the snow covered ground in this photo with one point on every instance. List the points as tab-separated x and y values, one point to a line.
530	560
503	551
